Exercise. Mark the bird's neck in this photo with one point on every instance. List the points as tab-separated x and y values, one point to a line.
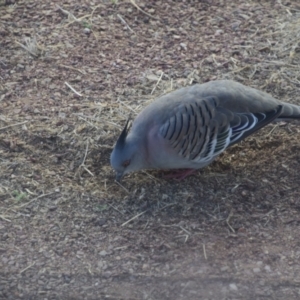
140	149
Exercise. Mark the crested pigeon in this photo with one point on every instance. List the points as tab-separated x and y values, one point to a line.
188	128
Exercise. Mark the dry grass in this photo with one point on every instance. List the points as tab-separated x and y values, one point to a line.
66	228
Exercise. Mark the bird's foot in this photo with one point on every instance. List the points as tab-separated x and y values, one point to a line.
180	174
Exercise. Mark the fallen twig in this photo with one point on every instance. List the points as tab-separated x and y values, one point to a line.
227	221
138	8
27	268
85	155
3	218
124	22
71	17
204	251
34	199
12	125
138	215
69	86
123	187
157	83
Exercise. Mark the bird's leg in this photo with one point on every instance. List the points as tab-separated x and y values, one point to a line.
180	174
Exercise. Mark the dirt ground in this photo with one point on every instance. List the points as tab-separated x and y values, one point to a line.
71	72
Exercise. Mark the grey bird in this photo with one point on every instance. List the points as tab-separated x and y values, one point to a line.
188	128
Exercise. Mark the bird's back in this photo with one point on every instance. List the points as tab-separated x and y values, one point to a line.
199	122
191	126
232	95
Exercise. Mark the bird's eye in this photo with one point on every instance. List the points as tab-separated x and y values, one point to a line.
126	163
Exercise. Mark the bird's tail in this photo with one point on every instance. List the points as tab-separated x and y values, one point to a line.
290	111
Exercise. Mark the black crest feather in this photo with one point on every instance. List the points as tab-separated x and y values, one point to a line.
122	138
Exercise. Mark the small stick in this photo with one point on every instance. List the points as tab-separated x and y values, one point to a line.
157	83
187	232
167	205
115	209
29	192
93	12
240	69
89	268
186	236
70	15
16	124
204	251
289	79
34	199
253	73
214	60
85	155
86	151
120	248
149	175
138	8
81	116
146	225
133	218
227	221
127	106
72	68
69	86
271	131
287	8
88	171
3	218
280	63
124	22
191	78
27	268
123	187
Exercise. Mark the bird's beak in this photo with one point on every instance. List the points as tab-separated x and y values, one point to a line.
119	176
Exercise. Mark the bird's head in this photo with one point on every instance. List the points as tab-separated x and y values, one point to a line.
126	155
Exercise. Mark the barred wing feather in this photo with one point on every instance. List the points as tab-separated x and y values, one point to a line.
200	130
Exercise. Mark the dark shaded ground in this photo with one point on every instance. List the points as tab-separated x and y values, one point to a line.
229	232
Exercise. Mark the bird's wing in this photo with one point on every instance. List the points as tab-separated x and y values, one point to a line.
199	130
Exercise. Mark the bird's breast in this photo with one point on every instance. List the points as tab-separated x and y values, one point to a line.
160	153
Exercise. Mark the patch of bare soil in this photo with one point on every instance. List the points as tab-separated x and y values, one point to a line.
71	72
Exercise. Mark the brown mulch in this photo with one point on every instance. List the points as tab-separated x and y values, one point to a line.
71	72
